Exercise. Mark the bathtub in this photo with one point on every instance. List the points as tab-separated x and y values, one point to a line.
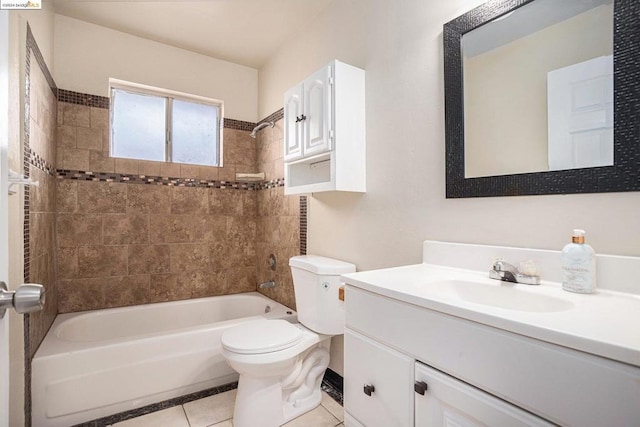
98	363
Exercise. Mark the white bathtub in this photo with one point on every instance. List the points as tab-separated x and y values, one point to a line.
98	363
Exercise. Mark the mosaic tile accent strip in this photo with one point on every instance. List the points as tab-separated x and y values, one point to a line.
303	225
37	161
32	46
83	98
273	117
122	416
160	180
238	125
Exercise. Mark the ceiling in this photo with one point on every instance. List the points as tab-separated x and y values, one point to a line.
245	32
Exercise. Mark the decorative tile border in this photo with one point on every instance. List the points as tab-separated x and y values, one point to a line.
238	125
40	163
273	117
331	384
169	181
122	416
79	98
303	225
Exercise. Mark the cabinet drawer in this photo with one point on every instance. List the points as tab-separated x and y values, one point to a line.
559	384
389	374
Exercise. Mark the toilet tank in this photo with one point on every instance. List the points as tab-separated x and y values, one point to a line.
316	281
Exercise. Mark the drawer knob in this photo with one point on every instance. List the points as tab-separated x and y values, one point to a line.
368	389
420	387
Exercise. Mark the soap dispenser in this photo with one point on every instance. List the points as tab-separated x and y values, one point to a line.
578	265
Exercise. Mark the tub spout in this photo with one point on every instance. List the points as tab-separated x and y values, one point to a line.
268	285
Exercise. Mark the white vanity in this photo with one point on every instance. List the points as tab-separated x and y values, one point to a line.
441	344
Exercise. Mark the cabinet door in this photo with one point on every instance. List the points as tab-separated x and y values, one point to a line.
293	105
317	112
388	374
450	402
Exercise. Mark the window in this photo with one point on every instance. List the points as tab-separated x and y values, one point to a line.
154	124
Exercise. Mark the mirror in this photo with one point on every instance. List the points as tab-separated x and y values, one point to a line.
540	98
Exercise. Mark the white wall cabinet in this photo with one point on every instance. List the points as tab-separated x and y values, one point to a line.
324	131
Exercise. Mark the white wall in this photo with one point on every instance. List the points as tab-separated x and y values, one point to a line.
87	55
405	201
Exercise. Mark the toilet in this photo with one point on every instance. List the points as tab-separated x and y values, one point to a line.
281	364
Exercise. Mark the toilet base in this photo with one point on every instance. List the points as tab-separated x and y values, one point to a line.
271	402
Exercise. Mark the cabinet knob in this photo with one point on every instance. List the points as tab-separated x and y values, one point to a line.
420	387
368	389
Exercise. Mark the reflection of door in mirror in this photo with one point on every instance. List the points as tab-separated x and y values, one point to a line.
580	115
505	68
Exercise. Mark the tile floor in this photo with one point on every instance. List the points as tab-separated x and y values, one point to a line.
217	411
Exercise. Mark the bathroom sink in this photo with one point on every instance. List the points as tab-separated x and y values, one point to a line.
501	295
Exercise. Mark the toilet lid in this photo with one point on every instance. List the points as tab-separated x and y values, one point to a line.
261	336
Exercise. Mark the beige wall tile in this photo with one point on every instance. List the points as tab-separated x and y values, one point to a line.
189	200
170	170
127	166
66	136
189	171
175	229
99	161
149	259
89	138
225	202
121	229
187	257
66	196
73	159
209	173
78	229
99	117
102	197
76	115
67	263
127	290
149	168
147	198
102	261
81	294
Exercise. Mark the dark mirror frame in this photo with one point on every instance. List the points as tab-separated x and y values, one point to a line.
624	175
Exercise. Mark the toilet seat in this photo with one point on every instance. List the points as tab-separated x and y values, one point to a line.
261	336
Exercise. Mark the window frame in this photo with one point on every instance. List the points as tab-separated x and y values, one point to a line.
169	96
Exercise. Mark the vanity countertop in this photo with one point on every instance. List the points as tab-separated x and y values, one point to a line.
606	323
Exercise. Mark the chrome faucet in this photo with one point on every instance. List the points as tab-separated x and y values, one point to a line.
269	284
502	270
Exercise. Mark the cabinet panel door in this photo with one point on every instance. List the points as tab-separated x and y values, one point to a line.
390	373
293	105
317	110
449	402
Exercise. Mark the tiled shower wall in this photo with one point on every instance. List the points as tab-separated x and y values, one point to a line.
135	232
122	241
40	201
278	218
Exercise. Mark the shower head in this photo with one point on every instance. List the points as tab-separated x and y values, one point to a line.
260	126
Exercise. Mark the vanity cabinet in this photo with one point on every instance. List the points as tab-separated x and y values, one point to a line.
471	374
324	131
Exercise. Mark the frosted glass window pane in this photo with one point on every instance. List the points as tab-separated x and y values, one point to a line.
194	133
138	126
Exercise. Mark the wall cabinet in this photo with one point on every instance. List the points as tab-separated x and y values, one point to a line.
324	131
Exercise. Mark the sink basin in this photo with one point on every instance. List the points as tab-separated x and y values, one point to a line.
502	295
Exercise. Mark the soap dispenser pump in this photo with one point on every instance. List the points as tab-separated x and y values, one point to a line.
578	265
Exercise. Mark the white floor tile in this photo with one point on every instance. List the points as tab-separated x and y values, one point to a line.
319	417
211	410
226	423
170	417
332	406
